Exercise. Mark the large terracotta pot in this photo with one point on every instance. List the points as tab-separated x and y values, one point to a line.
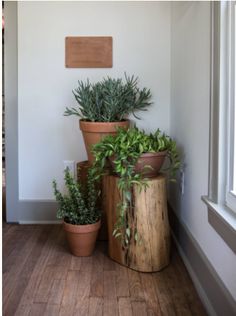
82	238
93	132
154	160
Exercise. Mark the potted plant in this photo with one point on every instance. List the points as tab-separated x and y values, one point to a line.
79	211
105	105
134	156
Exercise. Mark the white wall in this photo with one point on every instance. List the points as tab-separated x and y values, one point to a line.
189	124
141	46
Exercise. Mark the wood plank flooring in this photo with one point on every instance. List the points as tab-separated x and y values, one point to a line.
41	277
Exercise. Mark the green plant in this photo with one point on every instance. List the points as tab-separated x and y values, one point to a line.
110	100
125	148
78	206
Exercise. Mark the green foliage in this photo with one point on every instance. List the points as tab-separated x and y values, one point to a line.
79	205
110	100
128	145
125	148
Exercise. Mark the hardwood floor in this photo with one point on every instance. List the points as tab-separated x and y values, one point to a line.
41	277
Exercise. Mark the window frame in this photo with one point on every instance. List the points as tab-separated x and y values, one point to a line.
230	199
220	216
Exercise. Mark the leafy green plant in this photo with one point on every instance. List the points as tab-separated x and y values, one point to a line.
78	206
125	148
110	100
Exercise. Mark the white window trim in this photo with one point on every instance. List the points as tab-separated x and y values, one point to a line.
230	195
218	154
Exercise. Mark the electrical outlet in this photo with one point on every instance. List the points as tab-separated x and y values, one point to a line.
181	184
71	165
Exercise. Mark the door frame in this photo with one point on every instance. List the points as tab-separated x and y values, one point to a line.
11	110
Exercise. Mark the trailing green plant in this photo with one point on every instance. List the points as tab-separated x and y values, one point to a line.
110	100
125	148
78	206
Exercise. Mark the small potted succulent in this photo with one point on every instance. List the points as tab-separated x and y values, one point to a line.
134	156
105	105
78	209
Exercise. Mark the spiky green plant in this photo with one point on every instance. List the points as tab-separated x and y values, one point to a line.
78	206
110	100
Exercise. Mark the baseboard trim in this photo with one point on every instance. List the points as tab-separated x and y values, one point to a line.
40	222
213	293
37	211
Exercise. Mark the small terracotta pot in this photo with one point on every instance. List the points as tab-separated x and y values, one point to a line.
93	132
154	160
82	238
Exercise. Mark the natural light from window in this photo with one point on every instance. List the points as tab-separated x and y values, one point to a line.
234	166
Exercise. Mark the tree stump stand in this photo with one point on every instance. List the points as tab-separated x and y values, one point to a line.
149	214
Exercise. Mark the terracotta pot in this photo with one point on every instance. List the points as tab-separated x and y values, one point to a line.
93	132
81	238
155	160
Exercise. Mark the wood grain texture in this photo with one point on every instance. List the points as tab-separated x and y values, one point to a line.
83	293
110	198
110	284
152	302
122	286
38	309
56	292
31	289
23	268
42	284
70	293
110	307
149	215
95	306
163	291
52	310
97	282
88	52
125	308
139	308
135	285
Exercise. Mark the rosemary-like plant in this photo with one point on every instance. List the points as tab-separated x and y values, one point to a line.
78	207
110	100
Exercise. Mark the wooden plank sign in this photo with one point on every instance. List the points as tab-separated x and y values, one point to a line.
88	52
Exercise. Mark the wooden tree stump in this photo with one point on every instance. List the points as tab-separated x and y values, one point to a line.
82	171
150	216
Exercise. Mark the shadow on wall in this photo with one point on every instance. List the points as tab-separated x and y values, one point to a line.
176	189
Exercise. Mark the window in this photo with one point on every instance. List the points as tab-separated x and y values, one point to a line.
221	199
231	170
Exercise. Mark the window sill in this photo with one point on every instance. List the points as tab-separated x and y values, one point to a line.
223	220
